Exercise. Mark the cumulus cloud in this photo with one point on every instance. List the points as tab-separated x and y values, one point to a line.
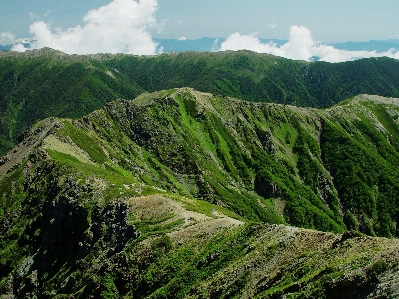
18	48
6	38
300	46
121	26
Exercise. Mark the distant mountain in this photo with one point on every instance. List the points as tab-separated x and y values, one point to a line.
42	83
204	44
207	44
5	48
373	45
213	44
183	194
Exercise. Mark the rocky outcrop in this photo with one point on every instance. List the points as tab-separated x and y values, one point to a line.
65	233
265	139
29	140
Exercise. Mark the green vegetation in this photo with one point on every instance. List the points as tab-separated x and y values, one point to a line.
364	175
237	155
179	194
44	83
262	77
53	84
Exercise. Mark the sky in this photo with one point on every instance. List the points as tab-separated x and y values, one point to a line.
129	26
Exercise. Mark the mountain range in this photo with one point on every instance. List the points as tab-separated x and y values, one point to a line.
118	186
208	44
174	167
43	83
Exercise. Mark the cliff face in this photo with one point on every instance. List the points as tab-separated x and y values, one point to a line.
182	194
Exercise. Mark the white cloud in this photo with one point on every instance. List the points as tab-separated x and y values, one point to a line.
182	38
237	41
215	45
121	26
34	16
6	38
47	13
272	25
18	48
301	46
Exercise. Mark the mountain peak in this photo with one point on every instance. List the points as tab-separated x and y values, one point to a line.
201	186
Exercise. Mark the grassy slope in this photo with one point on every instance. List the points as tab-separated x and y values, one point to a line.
187	252
49	83
328	169
230	152
263	77
43	83
89	207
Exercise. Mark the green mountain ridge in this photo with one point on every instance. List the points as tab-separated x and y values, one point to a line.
184	194
44	83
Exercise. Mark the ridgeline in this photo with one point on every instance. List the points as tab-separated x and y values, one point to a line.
184	194
43	83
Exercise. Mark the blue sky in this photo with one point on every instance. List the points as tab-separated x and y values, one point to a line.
329	21
129	26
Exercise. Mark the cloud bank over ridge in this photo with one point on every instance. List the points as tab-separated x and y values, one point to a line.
300	46
6	38
121	26
124	26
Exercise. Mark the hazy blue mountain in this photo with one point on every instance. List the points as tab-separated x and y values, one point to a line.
208	44
205	44
5	48
373	45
